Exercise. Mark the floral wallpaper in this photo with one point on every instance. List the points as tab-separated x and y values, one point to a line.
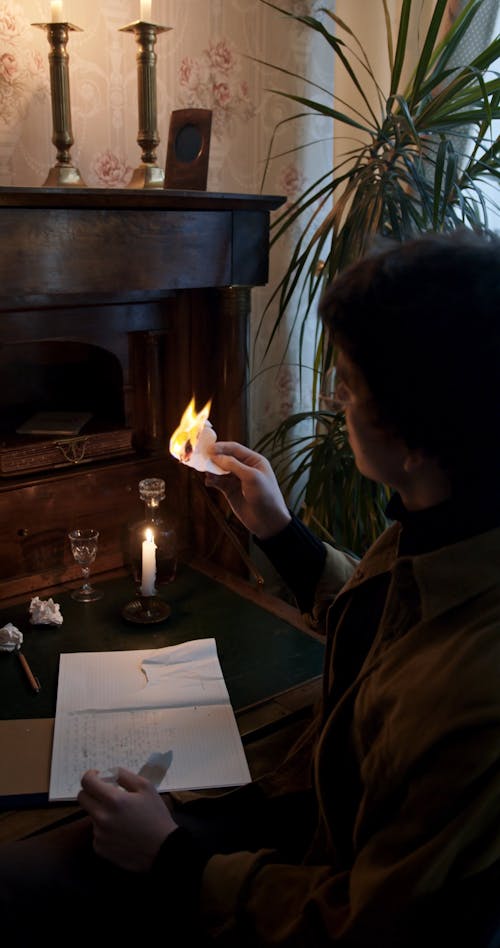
23	73
213	80
206	59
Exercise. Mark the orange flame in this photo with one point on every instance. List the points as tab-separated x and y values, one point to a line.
184	438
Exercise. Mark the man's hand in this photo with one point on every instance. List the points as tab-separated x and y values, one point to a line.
251	489
129	827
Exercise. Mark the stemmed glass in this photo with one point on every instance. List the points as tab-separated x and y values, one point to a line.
84	548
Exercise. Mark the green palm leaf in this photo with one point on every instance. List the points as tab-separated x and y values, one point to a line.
418	165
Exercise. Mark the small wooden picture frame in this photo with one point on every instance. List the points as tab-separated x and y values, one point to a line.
188	149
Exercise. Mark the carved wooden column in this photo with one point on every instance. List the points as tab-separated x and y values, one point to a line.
233	313
155	408
220	363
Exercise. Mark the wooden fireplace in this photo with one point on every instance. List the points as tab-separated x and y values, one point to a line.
124	305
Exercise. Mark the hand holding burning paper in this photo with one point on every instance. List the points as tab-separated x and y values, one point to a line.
192	441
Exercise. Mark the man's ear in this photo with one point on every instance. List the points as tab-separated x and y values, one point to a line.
414	460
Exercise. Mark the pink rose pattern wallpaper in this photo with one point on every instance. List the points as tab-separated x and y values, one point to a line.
109	171
214	81
23	72
204	60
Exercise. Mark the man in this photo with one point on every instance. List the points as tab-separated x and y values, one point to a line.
382	825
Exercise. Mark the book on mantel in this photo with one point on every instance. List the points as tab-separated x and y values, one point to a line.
55	423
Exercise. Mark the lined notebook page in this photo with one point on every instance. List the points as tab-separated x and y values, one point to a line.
112	711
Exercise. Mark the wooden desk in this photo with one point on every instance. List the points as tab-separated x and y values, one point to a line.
270	664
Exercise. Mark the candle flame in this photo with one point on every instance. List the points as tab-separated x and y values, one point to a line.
184	438
149	536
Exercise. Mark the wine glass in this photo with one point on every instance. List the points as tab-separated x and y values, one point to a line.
84	548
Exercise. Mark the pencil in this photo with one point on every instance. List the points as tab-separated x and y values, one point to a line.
35	684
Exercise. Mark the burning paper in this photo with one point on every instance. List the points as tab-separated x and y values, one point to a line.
192	441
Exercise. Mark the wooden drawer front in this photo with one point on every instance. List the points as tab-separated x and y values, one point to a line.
63	452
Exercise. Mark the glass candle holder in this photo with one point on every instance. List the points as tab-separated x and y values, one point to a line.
151	555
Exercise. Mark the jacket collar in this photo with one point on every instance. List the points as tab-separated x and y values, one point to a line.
455	573
445	577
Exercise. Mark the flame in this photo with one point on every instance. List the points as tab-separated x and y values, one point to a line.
184	438
149	536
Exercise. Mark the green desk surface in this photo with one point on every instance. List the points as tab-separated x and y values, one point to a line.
260	654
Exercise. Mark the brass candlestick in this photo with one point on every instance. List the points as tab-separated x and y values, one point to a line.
148	174
63	174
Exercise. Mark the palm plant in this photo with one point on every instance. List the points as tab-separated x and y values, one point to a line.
425	152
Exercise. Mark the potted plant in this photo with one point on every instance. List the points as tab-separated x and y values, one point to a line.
419	163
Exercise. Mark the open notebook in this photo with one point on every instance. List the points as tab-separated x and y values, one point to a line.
125	708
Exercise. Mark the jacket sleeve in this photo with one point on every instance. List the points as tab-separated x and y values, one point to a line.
394	895
415	851
313	571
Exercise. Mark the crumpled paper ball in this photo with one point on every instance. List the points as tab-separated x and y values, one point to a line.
10	638
45	612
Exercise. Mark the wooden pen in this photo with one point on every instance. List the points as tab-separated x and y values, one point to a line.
35	684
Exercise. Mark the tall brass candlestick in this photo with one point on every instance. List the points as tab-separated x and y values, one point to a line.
63	174
148	174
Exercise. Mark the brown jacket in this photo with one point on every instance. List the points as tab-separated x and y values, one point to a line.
420	731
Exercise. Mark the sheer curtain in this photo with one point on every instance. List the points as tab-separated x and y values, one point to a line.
487	27
281	374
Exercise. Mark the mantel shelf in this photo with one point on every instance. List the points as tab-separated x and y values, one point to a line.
62	244
149	198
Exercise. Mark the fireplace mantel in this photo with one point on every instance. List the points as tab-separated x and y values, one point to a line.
58	245
161	279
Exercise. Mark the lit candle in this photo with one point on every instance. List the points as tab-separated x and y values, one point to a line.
146	11
148	565
56	11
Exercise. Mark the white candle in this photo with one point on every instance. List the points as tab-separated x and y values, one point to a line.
148	565
146	11
56	11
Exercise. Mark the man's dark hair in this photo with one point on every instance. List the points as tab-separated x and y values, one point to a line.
422	321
